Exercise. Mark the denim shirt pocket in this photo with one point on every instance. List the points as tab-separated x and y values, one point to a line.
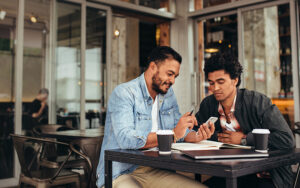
142	121
167	117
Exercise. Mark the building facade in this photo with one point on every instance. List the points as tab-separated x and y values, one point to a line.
81	49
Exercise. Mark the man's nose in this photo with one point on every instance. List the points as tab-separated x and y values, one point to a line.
217	87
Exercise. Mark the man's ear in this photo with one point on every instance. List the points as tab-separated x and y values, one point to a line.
236	80
152	66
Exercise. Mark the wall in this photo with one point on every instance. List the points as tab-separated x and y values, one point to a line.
261	51
181	39
125	50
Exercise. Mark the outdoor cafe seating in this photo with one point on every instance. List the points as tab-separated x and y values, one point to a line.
43	164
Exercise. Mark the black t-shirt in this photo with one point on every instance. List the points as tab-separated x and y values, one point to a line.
35	106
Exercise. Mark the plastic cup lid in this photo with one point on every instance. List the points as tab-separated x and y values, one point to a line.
261	131
165	132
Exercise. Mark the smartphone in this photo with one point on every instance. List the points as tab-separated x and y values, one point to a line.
211	119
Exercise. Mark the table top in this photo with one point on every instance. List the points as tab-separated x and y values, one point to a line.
75	134
215	167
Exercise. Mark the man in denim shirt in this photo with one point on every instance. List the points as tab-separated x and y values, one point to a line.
136	110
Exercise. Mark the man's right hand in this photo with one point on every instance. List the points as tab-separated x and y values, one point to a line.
186	121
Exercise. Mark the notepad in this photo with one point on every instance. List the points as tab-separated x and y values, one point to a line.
206	145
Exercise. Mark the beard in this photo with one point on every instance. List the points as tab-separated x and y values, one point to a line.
157	82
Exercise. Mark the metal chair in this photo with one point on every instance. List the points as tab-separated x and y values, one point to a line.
43	177
90	151
52	156
297	176
297	128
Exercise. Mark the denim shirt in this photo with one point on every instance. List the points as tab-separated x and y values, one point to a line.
128	121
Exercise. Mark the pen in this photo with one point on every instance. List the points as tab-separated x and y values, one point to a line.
190	115
191	112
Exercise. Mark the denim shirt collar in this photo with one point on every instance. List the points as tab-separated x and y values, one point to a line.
146	95
144	88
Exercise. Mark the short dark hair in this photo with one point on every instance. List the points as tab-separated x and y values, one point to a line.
44	91
227	62
162	53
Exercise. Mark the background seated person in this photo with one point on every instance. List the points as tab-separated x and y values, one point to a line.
136	110
39	107
239	112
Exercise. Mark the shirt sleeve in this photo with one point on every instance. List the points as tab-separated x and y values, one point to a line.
122	117
202	116
281	136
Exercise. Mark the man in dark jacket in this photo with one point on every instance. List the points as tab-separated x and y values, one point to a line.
239	112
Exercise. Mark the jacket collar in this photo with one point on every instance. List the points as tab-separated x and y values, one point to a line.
146	95
143	86
239	99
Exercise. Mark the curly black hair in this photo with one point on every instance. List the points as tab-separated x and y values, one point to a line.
226	62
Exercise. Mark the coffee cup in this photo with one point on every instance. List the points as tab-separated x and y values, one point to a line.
165	139
260	138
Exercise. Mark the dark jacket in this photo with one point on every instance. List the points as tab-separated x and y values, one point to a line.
255	110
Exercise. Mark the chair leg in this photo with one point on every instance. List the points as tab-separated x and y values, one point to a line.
77	183
21	184
296	183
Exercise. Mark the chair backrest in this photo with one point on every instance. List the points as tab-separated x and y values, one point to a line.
91	148
50	151
21	143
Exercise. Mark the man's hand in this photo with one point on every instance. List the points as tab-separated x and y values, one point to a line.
203	133
230	137
186	121
43	103
35	115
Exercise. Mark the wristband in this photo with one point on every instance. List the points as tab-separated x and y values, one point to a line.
175	137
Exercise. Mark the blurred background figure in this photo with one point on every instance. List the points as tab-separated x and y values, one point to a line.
39	107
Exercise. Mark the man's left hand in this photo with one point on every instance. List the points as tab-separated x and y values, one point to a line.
231	137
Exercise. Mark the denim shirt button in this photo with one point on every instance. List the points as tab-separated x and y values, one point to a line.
169	113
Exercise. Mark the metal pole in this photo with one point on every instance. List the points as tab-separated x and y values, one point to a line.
82	68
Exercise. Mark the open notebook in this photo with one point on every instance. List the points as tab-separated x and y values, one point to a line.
206	145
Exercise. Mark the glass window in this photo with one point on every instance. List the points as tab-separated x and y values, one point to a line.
8	12
200	4
267	56
129	1
217	35
68	64
162	5
95	77
133	40
36	36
